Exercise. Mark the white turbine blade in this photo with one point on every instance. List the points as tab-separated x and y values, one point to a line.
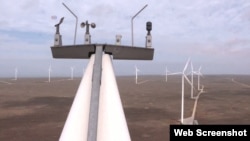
76	125
186	65
192	68
196	72
136	69
112	125
5	82
175	73
200	69
188	80
199	72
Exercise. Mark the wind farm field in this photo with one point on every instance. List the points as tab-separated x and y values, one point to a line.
34	109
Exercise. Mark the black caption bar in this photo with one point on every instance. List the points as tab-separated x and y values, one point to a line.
198	132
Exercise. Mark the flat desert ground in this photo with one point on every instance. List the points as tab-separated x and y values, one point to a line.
32	109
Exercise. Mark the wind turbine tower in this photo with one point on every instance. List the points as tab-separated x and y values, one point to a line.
16	72
189	120
199	74
49	70
167	74
192	81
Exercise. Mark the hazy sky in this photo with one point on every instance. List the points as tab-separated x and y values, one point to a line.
215	34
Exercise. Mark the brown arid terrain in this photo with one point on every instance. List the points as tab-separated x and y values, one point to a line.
32	109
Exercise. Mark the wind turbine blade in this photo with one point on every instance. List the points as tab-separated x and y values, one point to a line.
175	73
186	65
195	72
136	69
111	127
75	126
188	80
199	69
192	68
199	72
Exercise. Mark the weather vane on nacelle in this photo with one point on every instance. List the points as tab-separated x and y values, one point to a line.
87	34
58	37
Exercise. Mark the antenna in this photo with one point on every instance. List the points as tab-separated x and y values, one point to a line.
132	26
76	21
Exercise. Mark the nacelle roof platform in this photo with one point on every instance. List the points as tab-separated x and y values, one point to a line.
121	52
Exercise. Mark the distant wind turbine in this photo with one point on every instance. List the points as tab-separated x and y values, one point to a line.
16	71
167	74
199	74
49	70
189	120
136	74
72	73
184	77
192	80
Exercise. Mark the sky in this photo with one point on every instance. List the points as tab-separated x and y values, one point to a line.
214	34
